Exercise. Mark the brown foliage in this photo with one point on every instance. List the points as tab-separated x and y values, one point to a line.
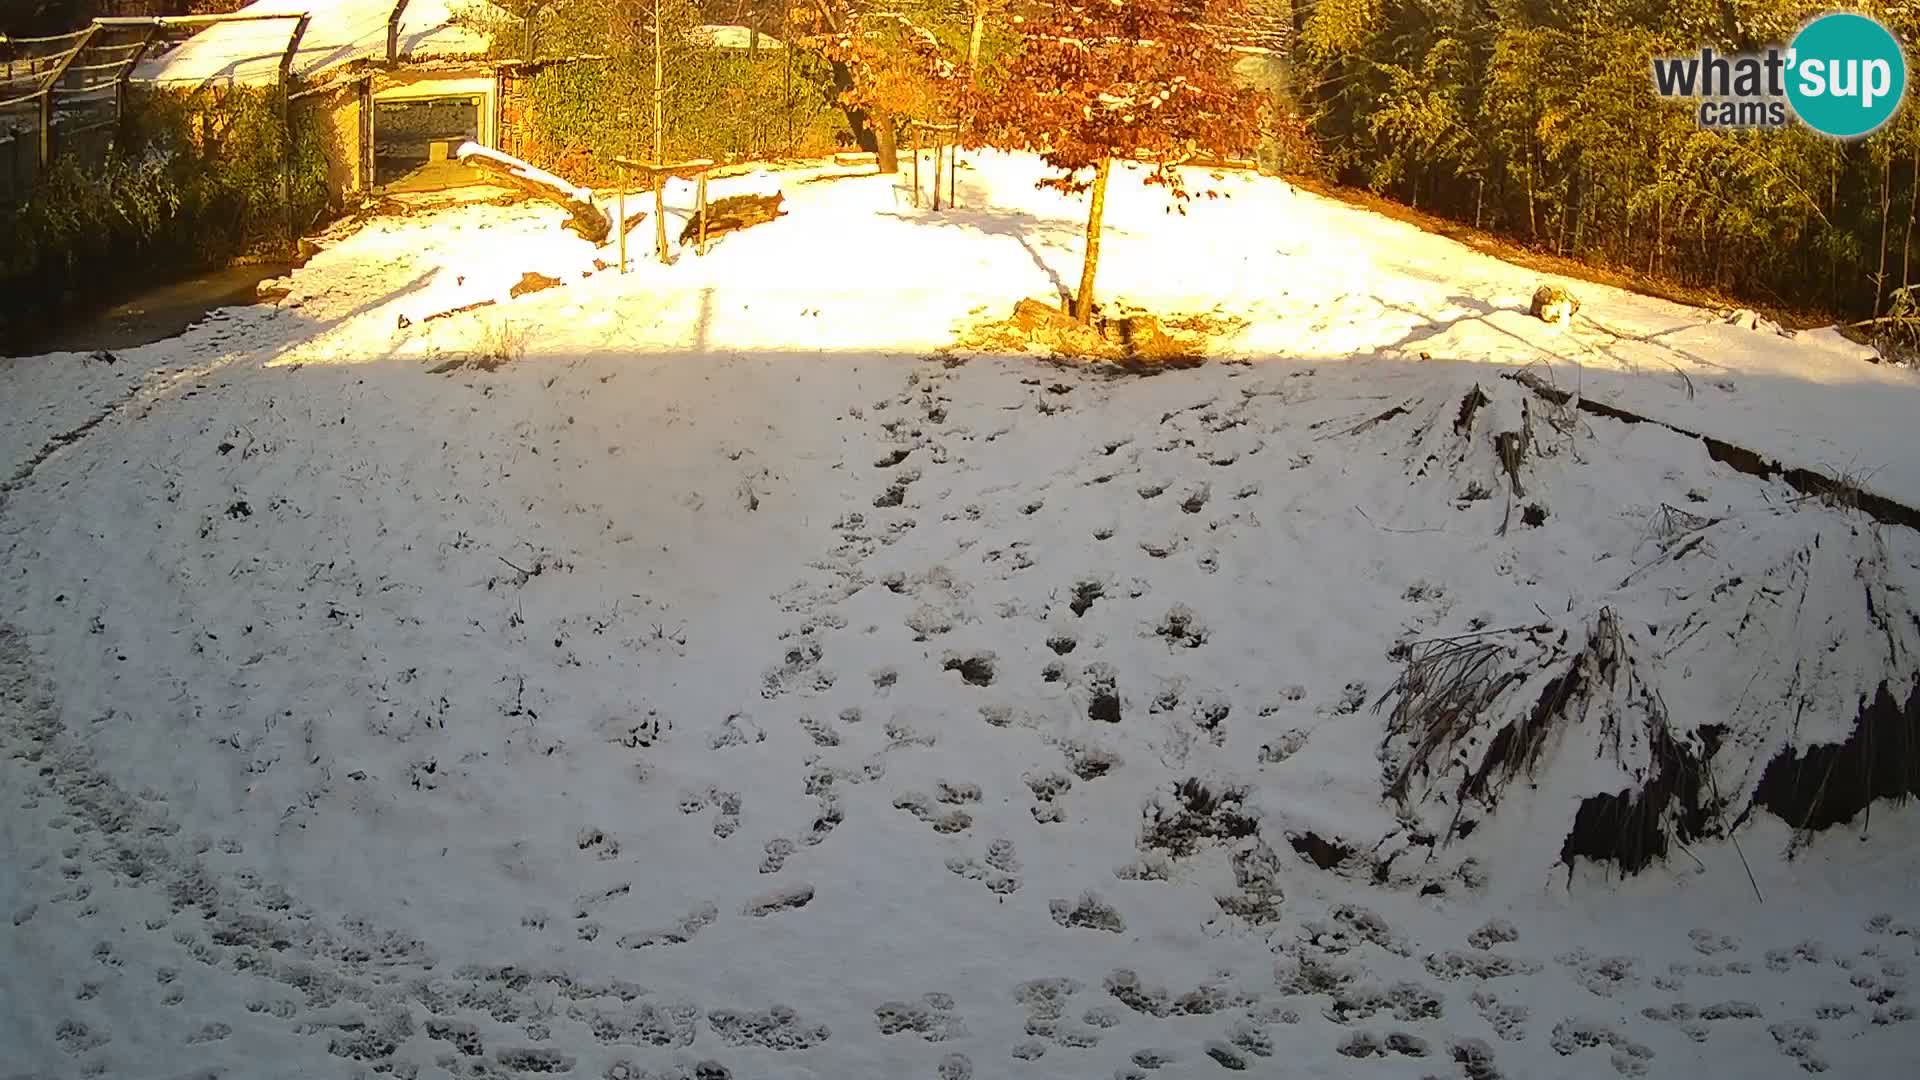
1098	79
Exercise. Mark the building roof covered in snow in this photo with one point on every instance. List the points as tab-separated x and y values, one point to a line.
339	32
719	36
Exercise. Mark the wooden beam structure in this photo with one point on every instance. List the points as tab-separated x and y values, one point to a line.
46	95
286	129
393	30
658	175
166	21
941	160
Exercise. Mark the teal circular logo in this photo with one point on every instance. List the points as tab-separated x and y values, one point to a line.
1846	75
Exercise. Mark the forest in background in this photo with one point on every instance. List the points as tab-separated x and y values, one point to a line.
1536	119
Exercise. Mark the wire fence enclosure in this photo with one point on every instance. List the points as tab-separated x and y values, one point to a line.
108	177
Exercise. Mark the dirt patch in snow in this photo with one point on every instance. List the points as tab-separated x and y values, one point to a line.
1119	342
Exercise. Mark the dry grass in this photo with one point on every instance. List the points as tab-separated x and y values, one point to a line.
1122	342
500	343
1443	688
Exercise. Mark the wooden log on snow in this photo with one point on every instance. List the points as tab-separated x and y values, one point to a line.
584	218
731	214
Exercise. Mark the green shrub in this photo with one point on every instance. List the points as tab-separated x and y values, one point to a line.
719	104
193	179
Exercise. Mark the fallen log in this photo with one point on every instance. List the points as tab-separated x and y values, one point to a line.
584	218
731	214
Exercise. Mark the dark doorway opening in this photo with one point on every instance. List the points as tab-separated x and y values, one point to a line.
414	142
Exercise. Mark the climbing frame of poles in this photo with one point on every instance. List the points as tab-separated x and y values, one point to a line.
57	88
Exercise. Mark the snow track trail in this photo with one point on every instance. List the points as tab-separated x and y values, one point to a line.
662	704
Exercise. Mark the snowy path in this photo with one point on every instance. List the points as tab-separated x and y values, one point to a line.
664	705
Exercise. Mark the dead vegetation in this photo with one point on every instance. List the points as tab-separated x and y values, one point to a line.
500	343
1446	722
1119	343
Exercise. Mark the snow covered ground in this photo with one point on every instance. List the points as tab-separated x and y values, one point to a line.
738	680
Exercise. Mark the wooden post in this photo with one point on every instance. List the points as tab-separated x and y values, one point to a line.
658	174
916	166
700	203
621	176
46	95
126	75
286	130
953	169
936	170
660	215
393	30
367	175
659	114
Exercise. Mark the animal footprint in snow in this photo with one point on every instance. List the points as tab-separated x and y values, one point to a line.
1089	912
942	821
1045	1001
1601	975
1288	744
680	933
819	731
1087	760
727	821
1103	693
1796	1041
665	1024
932	1018
901	734
1001	872
800	666
77	1038
1455	964
1364	1044
1047	789
1227	1055
692	803
1181	628
896	493
209	1033
778	1028
1475	1059
783	899
1708	943
1495	932
737	730
1246	1035
975	669
778	851
1509	1022
528	1059
279	1010
596	841
1572	1034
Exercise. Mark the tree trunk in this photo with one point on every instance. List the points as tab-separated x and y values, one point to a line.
1886	207
1083	304
884	147
659	99
973	43
1913	210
